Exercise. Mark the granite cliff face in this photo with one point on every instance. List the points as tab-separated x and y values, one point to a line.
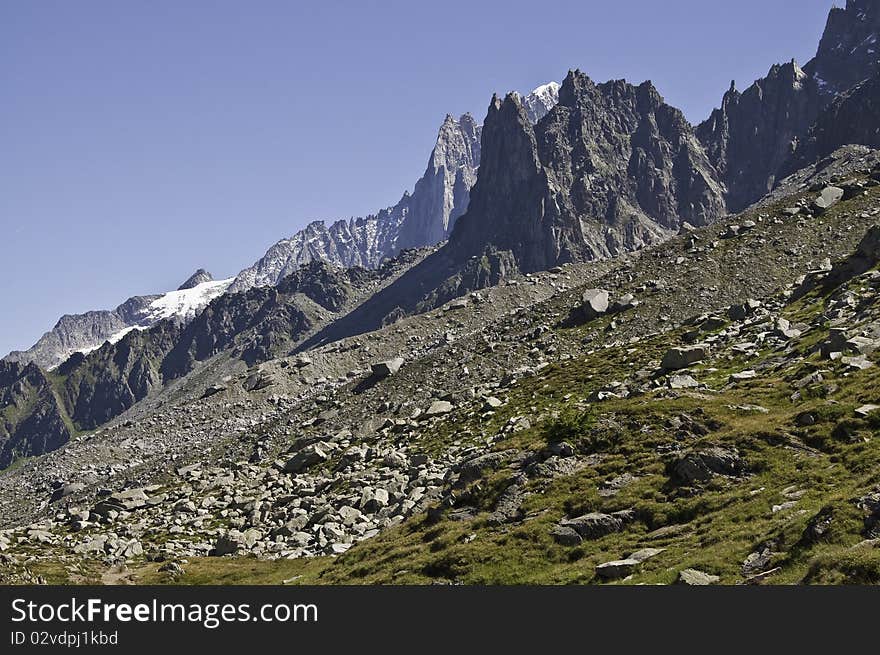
848	52
611	168
755	132
443	192
853	117
424	218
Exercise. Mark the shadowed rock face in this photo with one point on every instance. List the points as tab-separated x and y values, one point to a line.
424	218
852	118
752	137
755	132
848	52
31	419
609	169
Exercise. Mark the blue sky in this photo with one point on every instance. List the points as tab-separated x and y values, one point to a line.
141	140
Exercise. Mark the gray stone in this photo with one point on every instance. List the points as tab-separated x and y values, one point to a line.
645	554
67	489
623	304
594	525
682	382
683	357
387	368
742	376
865	410
695	578
617	569
438	408
594	303
308	457
743	311
827	198
229	543
701	465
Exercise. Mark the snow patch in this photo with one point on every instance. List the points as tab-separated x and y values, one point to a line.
185	303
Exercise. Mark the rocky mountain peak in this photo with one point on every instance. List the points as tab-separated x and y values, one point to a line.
848	52
610	168
755	132
541	100
199	277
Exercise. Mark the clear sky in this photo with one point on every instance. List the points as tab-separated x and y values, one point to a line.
142	140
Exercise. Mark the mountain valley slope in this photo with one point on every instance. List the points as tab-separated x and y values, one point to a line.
603	375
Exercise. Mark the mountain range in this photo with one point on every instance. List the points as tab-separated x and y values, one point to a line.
423	218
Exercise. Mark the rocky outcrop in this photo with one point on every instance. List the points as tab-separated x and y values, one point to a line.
753	136
848	52
852	118
611	168
755	132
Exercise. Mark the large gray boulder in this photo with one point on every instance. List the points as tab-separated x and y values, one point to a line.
695	578
702	465
307	457
827	198
679	358
594	303
387	368
595	524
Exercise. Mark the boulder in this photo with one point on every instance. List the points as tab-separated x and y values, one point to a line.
695	578
679	358
682	382
387	368
645	554
623	304
701	465
594	525
438	408
229	543
742	376
492	403
129	499
309	456
743	310
213	390
617	569
866	410
827	198
66	490
594	303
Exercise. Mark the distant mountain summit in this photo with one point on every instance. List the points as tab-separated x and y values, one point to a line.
82	333
540	101
424	218
199	277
